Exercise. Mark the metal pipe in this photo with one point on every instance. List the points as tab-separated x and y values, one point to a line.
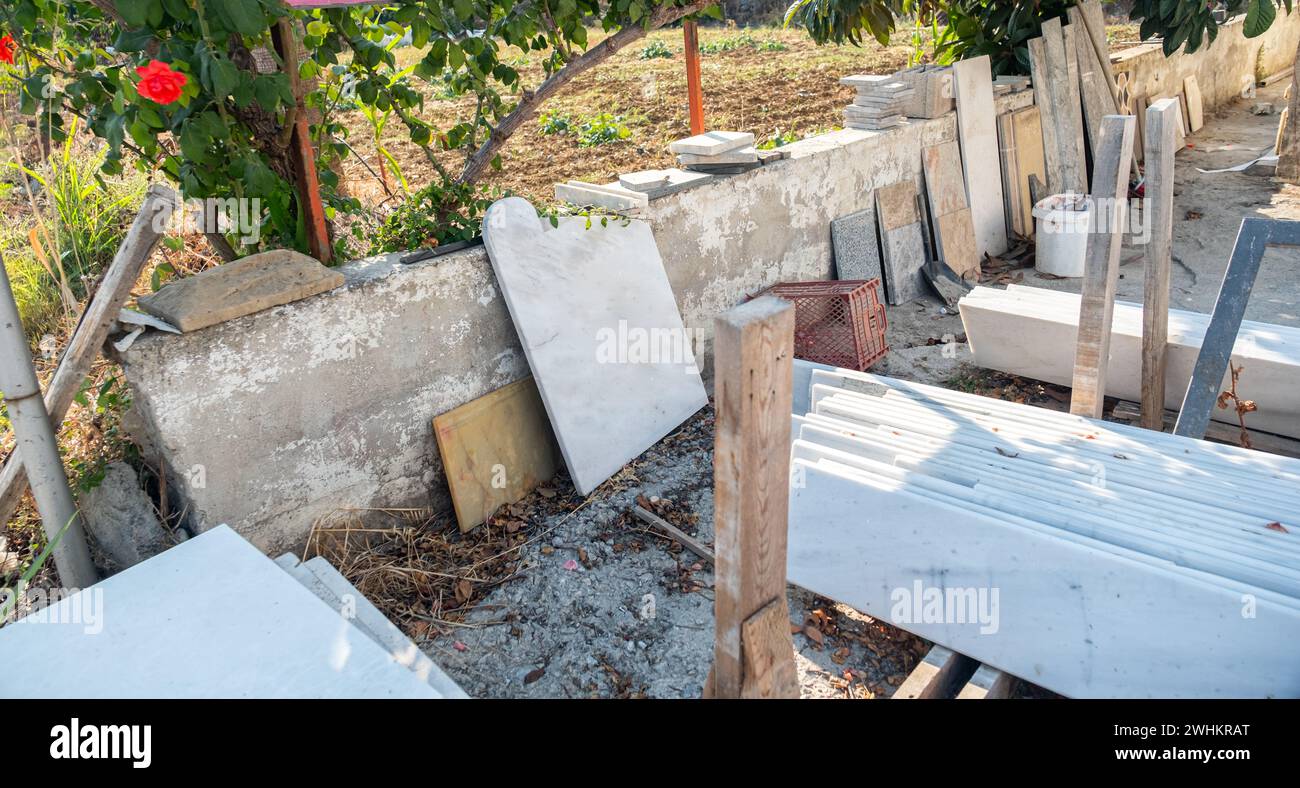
38	448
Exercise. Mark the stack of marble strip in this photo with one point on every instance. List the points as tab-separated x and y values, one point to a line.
1094	559
1031	332
880	102
719	152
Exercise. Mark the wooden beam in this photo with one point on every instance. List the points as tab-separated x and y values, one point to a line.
753	354
1101	263
101	312
940	674
303	155
673	532
1161	143
694	88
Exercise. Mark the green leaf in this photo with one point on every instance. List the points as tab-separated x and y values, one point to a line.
1259	17
241	16
134	12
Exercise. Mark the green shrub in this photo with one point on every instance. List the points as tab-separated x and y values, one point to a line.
602	129
591	130
556	123
655	49
440	213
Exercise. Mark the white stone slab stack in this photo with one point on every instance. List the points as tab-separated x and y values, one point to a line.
1031	332
214	618
880	103
1094	559
722	152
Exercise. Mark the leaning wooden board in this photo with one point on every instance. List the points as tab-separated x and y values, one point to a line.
96	321
495	450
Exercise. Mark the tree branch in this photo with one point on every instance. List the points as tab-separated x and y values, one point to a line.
531	101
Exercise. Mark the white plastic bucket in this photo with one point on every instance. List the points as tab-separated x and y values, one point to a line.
1061	234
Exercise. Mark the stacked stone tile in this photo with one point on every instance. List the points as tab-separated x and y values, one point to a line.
880	103
717	152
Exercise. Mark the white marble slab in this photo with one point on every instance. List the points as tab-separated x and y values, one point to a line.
209	618
978	134
1077	617
712	143
1033	335
581	298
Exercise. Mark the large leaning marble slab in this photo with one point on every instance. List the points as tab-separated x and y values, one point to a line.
978	134
1031	332
209	618
601	330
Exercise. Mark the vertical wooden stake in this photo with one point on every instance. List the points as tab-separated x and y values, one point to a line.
303	155
694	90
1101	263
1161	143
753	354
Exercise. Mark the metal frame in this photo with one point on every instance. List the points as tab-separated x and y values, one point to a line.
1253	237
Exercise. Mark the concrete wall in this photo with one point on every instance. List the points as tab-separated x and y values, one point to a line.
1223	69
274	420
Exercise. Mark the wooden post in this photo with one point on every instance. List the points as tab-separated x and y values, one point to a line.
101	312
753	354
1101	263
1161	143
694	90
302	153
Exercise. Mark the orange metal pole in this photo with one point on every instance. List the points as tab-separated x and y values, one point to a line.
694	91
302	153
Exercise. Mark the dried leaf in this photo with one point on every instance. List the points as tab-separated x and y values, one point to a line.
840	656
534	675
1277	527
814	634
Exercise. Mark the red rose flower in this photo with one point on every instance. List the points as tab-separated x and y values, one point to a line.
7	49
159	82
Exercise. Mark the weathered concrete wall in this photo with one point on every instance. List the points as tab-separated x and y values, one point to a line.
273	420
1223	69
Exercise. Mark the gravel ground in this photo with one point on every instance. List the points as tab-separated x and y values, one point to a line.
607	609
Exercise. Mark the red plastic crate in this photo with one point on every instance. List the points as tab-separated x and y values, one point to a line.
839	323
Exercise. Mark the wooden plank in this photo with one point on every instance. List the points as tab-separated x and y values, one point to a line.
988	683
302	154
1162	130
673	532
1061	117
1217	431
769	653
495	450
1101	265
1098	101
92	330
753	354
940	674
1195	107
1074	104
694	87
1254	235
